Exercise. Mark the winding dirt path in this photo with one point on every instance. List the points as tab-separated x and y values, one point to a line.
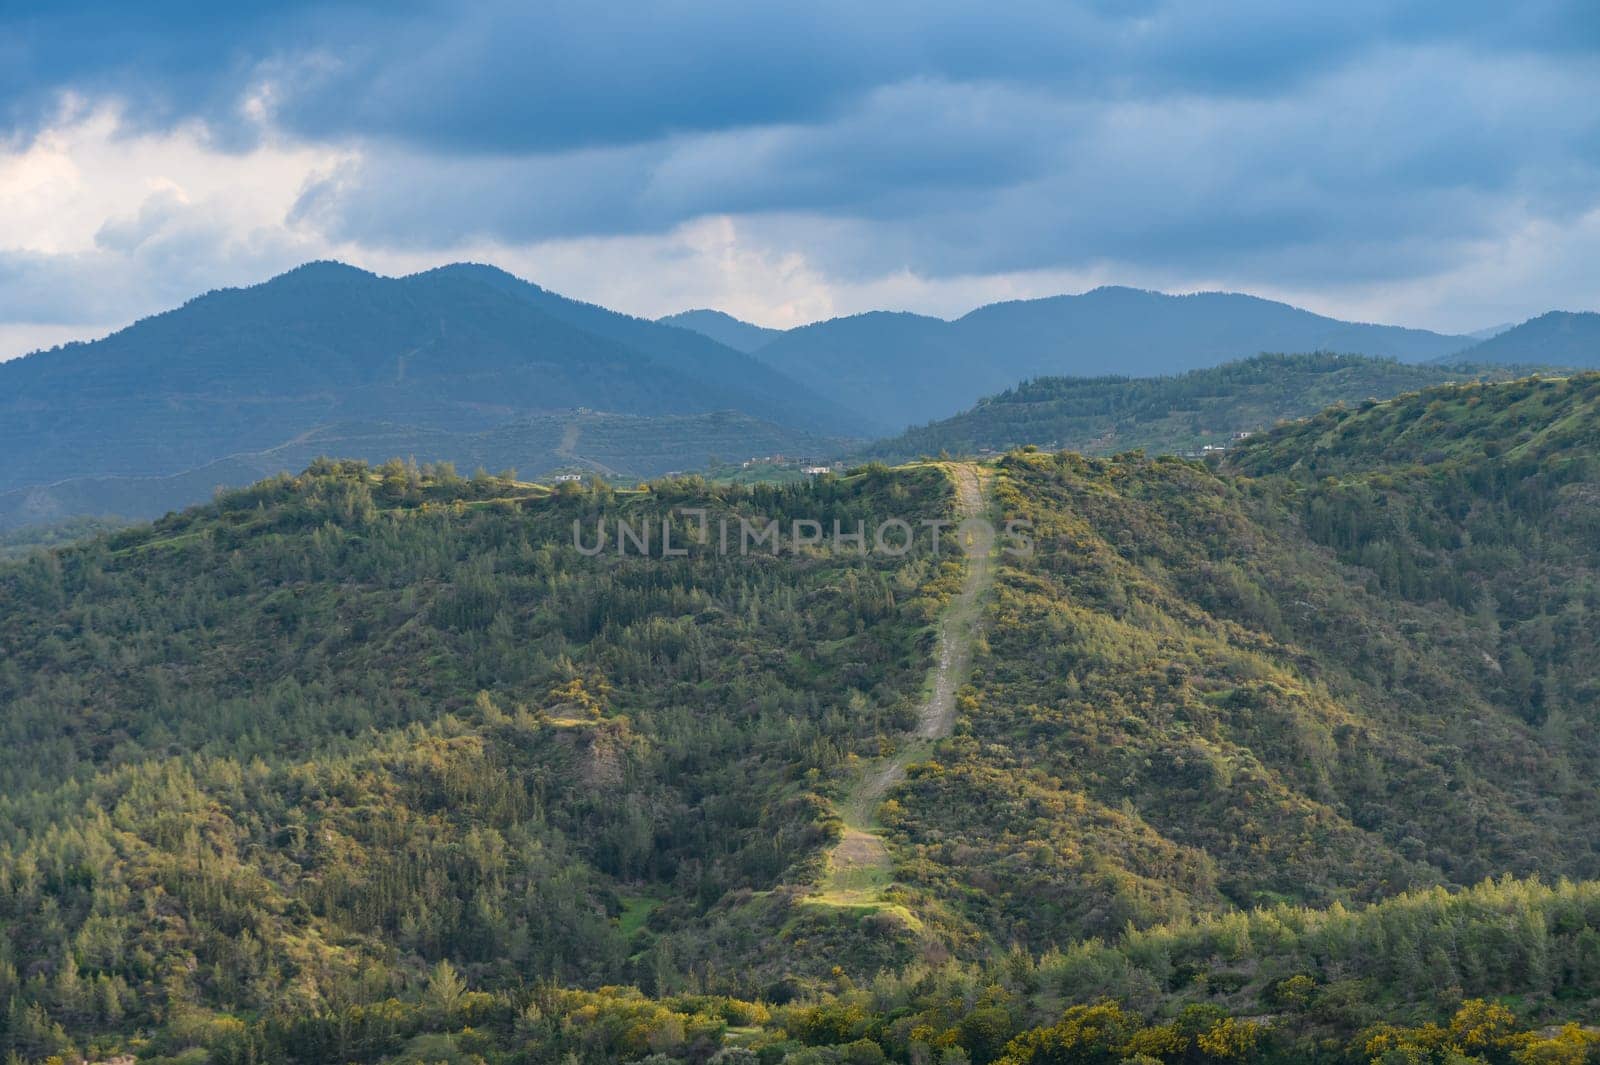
859	866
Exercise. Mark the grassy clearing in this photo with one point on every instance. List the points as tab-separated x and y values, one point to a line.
636	910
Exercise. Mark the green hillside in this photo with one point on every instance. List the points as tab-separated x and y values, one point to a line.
17	543
1166	415
1518	426
1289	760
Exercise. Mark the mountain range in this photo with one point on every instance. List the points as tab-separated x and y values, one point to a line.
909	369
918	369
463	363
471	365
1558	338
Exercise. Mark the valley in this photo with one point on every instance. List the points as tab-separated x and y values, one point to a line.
1232	748
710	533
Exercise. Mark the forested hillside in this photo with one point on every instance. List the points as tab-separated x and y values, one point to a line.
373	764
1188	705
1557	338
20	543
1166	415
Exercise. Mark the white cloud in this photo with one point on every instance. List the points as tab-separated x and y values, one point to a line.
101	226
1529	266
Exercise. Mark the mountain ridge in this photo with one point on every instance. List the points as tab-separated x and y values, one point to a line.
1556	338
723	328
917	368
1185	412
455	350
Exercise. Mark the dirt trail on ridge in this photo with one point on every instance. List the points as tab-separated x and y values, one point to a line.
859	864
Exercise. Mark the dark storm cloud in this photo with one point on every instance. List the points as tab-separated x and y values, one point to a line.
513	77
1363	139
1386	167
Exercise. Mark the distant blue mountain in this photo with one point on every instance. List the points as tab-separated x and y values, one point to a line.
458	350
1559	338
910	369
724	329
469	363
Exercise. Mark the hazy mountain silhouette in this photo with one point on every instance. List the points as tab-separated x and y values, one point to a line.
910	368
460	349
612	445
331	359
724	329
1559	338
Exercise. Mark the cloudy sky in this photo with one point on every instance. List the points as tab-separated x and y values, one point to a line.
1422	163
